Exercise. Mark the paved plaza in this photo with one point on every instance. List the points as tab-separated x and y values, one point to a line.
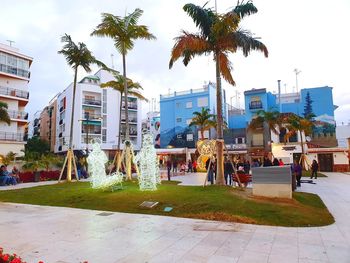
55	234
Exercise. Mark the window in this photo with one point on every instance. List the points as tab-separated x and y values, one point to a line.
178	119
104	135
240	140
202	102
104	99
189	105
188	121
189	137
104	121
178	105
258	139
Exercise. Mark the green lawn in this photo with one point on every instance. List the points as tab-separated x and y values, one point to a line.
308	174
212	202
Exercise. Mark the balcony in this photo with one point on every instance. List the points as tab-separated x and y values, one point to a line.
131	120
15	71
14	137
92	116
19	115
131	106
14	93
84	131
92	102
255	105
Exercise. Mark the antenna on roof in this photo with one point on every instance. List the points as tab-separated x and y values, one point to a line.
10	42
296	71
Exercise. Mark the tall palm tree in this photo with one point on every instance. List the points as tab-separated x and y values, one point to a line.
298	125
4	116
219	35
118	85
203	120
123	31
77	55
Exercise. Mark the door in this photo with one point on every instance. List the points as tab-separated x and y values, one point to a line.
325	162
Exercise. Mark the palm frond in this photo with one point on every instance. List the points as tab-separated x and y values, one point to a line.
225	68
245	9
244	40
187	45
202	17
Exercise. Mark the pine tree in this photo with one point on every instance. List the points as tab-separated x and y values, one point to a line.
308	113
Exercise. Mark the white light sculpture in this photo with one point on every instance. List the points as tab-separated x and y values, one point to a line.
96	161
148	165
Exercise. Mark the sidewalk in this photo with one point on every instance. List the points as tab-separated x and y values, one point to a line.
55	234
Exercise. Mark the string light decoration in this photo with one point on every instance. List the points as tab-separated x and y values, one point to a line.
148	165
96	161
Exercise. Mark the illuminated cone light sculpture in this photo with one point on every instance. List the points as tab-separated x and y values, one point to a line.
96	161
148	165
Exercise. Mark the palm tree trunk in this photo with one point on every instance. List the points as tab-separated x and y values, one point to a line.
120	119
71	155
128	155
202	134
73	105
126	100
219	130
302	150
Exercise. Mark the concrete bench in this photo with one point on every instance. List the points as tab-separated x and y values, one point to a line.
273	181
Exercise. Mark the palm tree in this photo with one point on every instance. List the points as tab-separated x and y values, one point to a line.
118	85
219	35
4	116
203	120
77	55
8	158
266	121
271	119
299	125
123	31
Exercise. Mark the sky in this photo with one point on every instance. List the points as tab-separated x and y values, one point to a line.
308	35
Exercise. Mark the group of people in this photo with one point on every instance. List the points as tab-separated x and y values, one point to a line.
181	167
7	178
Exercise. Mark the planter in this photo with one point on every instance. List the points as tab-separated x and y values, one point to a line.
36	176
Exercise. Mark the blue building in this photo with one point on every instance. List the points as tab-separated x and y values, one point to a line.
176	113
321	103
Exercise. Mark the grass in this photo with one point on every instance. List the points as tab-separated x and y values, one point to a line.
212	202
308	174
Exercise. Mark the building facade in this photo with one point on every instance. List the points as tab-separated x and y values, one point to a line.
14	79
177	112
96	116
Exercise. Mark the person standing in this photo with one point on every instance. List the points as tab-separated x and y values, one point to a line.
189	166
298	172
168	167
228	171
280	162
314	169
174	167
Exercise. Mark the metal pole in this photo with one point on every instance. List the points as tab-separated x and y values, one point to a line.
279	95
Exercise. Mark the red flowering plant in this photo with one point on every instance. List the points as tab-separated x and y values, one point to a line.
7	258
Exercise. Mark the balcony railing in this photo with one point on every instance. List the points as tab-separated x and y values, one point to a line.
14	92
134	120
11	136
21	115
14	71
92	116
255	105
132	106
91	131
92	102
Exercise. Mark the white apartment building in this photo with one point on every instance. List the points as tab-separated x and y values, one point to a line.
14	79
96	115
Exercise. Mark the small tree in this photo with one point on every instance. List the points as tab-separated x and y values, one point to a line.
37	145
4	116
203	120
308	113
